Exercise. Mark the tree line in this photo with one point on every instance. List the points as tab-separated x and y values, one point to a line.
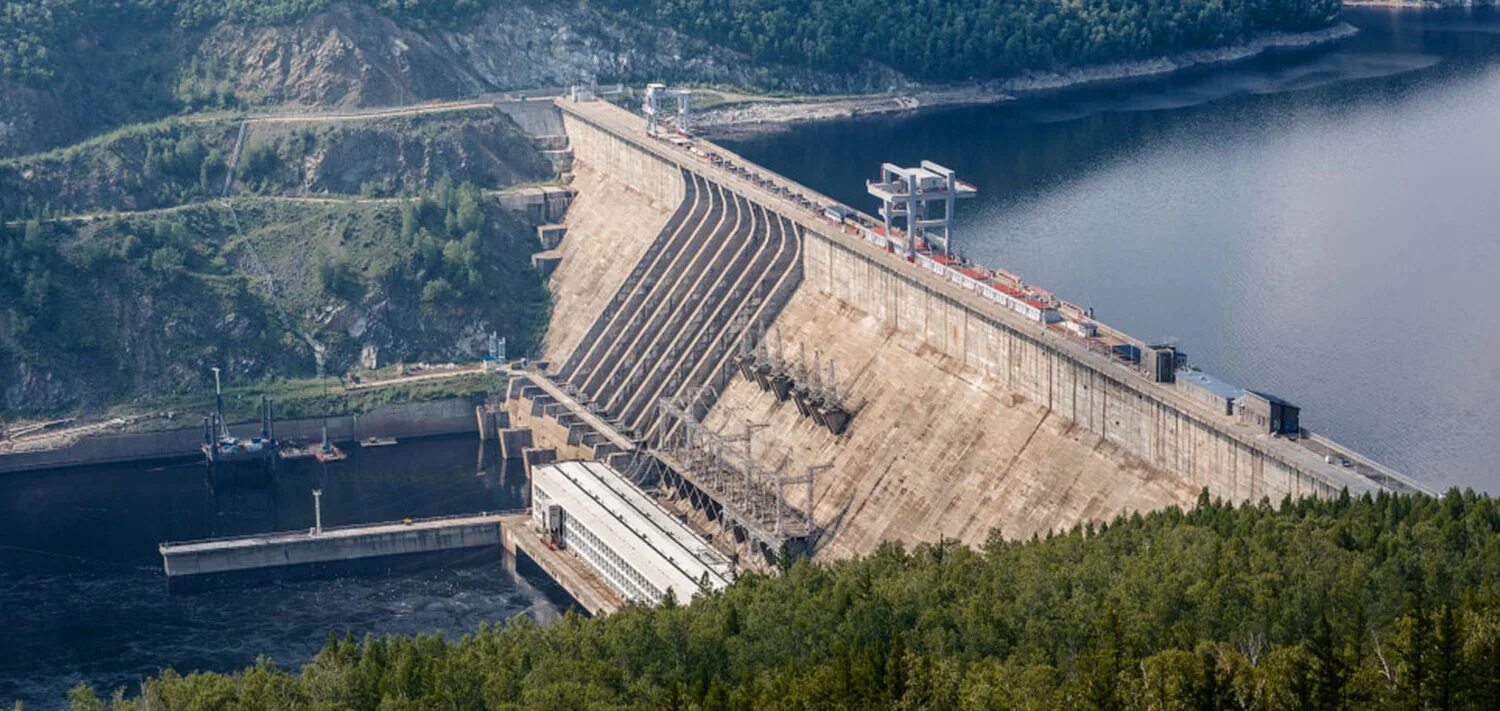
952	40
934	40
34	32
1376	602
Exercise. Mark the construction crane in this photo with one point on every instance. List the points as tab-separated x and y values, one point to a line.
651	107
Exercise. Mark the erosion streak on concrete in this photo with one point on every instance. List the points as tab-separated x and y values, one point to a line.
609	228
937	448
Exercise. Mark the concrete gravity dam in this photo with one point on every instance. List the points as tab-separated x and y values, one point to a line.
798	375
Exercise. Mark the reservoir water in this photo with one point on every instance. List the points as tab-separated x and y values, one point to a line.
1324	225
83	598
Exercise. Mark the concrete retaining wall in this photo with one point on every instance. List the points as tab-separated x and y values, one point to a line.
281	551
537	117
412	419
609	154
1088	393
1099	433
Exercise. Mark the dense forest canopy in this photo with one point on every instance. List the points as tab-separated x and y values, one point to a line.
934	40
950	40
1372	603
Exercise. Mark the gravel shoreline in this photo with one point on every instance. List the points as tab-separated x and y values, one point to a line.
778	115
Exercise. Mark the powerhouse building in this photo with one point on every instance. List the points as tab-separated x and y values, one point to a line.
635	545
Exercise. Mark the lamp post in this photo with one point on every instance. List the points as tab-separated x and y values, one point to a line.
317	512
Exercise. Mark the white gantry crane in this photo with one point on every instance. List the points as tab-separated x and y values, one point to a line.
910	194
652	108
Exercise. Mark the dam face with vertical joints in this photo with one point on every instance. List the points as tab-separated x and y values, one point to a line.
967	406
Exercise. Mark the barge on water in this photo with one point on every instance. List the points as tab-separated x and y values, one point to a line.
221	447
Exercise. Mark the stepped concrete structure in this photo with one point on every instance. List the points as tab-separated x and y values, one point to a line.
967	418
609	226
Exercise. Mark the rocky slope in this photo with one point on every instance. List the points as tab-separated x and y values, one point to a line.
140	306
184	160
350	55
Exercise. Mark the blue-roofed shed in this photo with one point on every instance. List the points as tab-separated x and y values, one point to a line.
1208	390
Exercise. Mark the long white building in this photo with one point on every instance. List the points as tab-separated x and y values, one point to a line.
634	544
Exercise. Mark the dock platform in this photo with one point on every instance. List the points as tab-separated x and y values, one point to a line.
344	543
582	584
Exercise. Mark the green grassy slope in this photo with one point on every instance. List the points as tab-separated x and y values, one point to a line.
100	313
178	161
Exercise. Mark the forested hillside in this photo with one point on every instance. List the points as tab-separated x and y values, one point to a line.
1390	602
941	40
33	33
74	68
106	311
952	40
373	236
177	161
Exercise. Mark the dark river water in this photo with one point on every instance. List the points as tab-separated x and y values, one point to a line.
1324	225
83	597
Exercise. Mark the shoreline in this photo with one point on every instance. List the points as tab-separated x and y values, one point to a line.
755	118
1411	4
403	420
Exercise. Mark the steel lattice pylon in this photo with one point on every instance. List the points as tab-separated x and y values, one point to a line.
722	467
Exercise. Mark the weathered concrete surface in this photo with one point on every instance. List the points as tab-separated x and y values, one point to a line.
969	417
537	117
937	449
272	550
588	589
545	431
617	155
609	227
541	204
512	441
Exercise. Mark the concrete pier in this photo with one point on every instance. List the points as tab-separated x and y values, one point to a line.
248	553
533	456
490	419
551	236
514	441
545	263
582	584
